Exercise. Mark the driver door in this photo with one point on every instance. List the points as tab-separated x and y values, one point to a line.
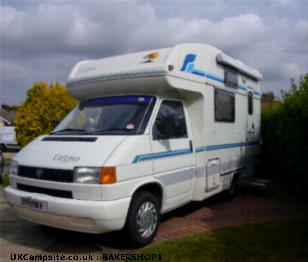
173	153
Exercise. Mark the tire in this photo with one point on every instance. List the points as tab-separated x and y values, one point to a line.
231	192
3	148
143	219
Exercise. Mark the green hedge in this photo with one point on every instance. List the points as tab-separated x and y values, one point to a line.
285	136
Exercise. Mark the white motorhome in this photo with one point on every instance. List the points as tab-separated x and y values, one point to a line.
153	131
8	139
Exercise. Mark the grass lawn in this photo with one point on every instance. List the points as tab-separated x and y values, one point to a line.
6	180
276	241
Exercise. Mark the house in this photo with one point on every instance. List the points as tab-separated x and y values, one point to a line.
7	117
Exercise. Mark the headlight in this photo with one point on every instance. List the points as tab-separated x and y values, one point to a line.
88	175
14	168
95	175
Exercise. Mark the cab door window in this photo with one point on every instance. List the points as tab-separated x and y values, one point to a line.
170	122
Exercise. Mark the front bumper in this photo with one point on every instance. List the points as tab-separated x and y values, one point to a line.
78	215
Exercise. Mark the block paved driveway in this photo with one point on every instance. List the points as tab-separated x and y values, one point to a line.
22	237
215	213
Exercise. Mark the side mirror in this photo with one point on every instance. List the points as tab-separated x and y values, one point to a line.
55	123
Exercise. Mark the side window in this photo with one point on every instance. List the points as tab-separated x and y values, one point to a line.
250	103
170	121
224	106
230	77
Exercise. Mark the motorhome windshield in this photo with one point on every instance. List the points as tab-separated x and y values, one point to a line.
119	115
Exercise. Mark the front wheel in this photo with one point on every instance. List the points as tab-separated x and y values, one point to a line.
143	219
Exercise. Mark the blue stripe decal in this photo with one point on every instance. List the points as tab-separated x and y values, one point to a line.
225	146
216	78
189	67
256	93
174	153
198	72
152	156
95	79
242	87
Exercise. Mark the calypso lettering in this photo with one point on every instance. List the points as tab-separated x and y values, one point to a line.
65	158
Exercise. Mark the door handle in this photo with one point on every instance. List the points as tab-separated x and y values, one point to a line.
191	145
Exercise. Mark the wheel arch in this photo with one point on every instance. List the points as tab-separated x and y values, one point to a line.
153	187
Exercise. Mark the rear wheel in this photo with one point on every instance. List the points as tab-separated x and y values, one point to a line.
230	193
143	219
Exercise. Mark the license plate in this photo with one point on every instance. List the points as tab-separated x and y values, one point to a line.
34	204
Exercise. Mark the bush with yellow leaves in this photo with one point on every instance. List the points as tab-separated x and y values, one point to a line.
44	104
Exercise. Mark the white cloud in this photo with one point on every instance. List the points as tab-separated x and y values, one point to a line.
302	27
285	3
42	40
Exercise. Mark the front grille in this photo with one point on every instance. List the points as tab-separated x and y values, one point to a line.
57	175
46	191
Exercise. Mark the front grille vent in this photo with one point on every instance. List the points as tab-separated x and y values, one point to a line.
46	191
56	175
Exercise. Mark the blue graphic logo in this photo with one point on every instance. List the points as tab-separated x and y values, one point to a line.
188	65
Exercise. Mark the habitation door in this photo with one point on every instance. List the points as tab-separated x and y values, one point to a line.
173	154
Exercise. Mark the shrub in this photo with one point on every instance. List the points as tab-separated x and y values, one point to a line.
44	104
285	134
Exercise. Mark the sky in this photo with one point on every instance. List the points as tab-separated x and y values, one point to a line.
42	40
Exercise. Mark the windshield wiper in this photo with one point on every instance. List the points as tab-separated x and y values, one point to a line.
68	130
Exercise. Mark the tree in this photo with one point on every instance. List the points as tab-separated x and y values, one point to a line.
44	104
14	108
267	97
